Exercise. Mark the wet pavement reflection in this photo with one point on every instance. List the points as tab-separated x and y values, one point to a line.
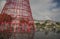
43	35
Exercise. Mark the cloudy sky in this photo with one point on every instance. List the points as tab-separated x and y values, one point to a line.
42	9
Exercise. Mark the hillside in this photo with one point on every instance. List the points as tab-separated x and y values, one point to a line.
47	24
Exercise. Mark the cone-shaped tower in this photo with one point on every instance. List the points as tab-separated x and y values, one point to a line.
21	11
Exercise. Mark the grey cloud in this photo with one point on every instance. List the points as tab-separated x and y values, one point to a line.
2	5
42	9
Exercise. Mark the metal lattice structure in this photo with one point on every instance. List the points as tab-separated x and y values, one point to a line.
21	11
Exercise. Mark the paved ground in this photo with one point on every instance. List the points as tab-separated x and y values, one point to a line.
42	35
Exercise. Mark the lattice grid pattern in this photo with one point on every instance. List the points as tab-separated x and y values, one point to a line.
21	11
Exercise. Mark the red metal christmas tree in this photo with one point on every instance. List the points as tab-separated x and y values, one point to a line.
21	11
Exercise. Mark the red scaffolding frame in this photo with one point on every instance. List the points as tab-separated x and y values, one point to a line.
21	11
